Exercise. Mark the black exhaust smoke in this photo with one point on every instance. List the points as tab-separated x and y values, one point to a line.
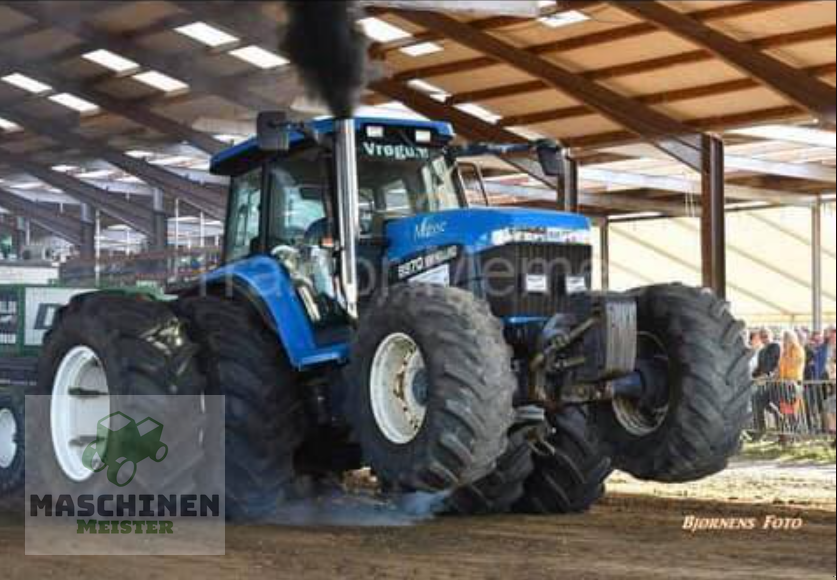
328	49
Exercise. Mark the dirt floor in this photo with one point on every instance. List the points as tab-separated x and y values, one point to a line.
637	532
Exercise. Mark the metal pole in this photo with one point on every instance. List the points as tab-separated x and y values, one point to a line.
816	265
98	248
713	217
348	211
570	183
160	237
202	228
604	232
87	250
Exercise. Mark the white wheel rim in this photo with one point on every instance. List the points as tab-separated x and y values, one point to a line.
634	421
80	398
398	388
8	438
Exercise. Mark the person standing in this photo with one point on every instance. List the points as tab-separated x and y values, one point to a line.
791	374
825	353
831	373
769	356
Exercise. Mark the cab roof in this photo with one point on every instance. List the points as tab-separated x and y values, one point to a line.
247	154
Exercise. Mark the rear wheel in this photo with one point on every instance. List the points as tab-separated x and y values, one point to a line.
265	418
433	387
695	401
570	469
103	348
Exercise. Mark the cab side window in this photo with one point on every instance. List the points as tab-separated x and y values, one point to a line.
245	211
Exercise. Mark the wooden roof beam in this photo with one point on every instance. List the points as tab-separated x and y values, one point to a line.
138	217
656	98
671	136
134	112
204	198
623	70
809	93
594	39
181	68
63	226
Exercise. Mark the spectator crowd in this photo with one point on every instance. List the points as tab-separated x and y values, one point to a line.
801	369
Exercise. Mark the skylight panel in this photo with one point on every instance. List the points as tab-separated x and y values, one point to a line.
422	49
160	81
437	93
26	83
206	34
111	61
7	126
259	57
479	111
381	31
566	18
75	103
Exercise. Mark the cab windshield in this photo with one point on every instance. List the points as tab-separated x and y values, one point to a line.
398	180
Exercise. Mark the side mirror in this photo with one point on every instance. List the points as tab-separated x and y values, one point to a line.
548	152
273	131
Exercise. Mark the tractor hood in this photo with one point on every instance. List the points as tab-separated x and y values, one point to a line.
478	229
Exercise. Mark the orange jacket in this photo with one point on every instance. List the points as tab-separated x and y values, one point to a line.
792	364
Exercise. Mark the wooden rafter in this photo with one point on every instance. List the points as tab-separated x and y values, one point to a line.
51	220
135	112
664	132
130	213
795	85
590	40
180	68
204	198
654	98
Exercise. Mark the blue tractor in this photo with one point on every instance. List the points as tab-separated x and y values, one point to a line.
367	315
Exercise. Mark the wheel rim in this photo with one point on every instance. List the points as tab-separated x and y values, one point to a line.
80	398
8	438
398	388
642	417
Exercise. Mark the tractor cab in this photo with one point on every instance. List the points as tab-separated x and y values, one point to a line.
286	203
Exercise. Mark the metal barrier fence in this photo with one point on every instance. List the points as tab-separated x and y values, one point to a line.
793	408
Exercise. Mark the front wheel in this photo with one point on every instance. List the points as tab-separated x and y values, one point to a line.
694	405
432	388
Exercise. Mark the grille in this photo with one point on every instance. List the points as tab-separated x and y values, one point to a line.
504	271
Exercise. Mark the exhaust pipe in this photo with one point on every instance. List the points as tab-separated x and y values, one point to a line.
348	211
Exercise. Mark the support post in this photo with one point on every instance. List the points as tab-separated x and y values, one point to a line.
816	266
604	250
713	218
87	249
569	183
97	270
19	237
160	237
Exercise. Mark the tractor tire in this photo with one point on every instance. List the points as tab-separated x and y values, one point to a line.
497	493
130	345
447	427
570	473
11	445
266	421
707	388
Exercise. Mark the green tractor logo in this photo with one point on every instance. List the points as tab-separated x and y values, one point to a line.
121	444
